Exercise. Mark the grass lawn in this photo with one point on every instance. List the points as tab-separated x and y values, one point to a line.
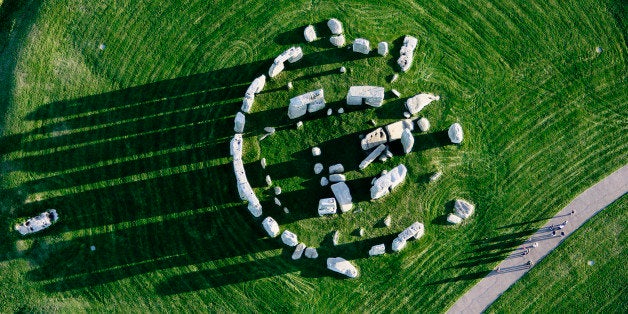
585	274
118	114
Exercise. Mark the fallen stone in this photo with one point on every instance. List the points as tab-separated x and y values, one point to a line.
387	221
329	112
311	252
318	168
335	26
298	251
271	226
369	95
270	129
335	238
374	138
341	110
436	176
455	133
362	46
343	196
407	140
342	266
38	223
286	210
263	163
337	177
386	183
327	206
394	78
264	136
337	168
382	48
239	122
395	130
396	93
453	219
269	181
423	124
289	238
372	156
377	250
406	54
463	208
277	190
324	181
415	230
299	124
338	41
419	101
277	202
398	244
316	151
309	33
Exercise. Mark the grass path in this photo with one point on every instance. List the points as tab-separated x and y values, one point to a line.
585	206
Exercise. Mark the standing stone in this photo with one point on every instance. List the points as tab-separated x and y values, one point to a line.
311	252
382	48
362	46
263	163
337	177
298	251
436	176
277	202
239	122
423	124
329	112
318	168
324	181
394	78
335	238
269	181
299	124
335	26
271	227
343	196
463	208
387	221
277	190
398	244
338	40
343	70
377	250
455	133
407	140
289	238
337	168
316	151
361	231
309	33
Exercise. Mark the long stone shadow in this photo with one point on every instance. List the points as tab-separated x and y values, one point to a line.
155	246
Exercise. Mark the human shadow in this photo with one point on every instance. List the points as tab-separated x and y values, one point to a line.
464	277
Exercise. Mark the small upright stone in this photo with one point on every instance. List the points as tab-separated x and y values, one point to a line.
407	115
382	48
329	112
455	133
337	168
423	124
336	237
290	86
338	40
361	232
299	124
298	251
309	33
311	252
343	70
316	151
286	210
289	238
324	181
335	26
387	221
269	181
318	168
394	78
377	250
277	202
263	163
396	93
277	190
436	176
341	110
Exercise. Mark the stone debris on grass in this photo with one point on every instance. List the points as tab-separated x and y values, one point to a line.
263	163
388	153
298	251
337	168
407	141
238	123
292	54
423	124
324	181
416	231
397	94
382	48
406	114
289	238
436	176
271	227
277	190
311	252
419	101
335	26
309	33
268	180
388	133
318	168
387	182
286	210
372	156
343	196
299	124
92	248
277	202
338	41
455	133
377	250
368	95
329	112
264	136
362	46
337	177
316	151
38	223
406	54
342	266
327	206
453	219
308	102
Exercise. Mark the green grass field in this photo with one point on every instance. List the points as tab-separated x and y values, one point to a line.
129	142
565	281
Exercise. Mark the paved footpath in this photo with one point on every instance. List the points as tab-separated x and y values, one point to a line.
585	205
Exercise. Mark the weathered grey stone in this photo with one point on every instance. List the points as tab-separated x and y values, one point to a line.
415	230
270	129
271	226
335	26
406	54
308	102
382	48
598	49
263	163
316	105
247	103
269	181
324	181
423	124
377	250
38	223
407	140
316	151
369	95
343	70
289	238
407	114
239	122
419	101
395	129
337	168
311	252
463	208
335	238
383	158
361	45
298	251
343	196
277	190
318	168
398	244
309	33
299	124
436	176
341	110
277	202
342	266
329	112
387	221
374	138
397	94
453	219
386	183
455	133
372	156
275	69
327	206
337	177
338	41
286	210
